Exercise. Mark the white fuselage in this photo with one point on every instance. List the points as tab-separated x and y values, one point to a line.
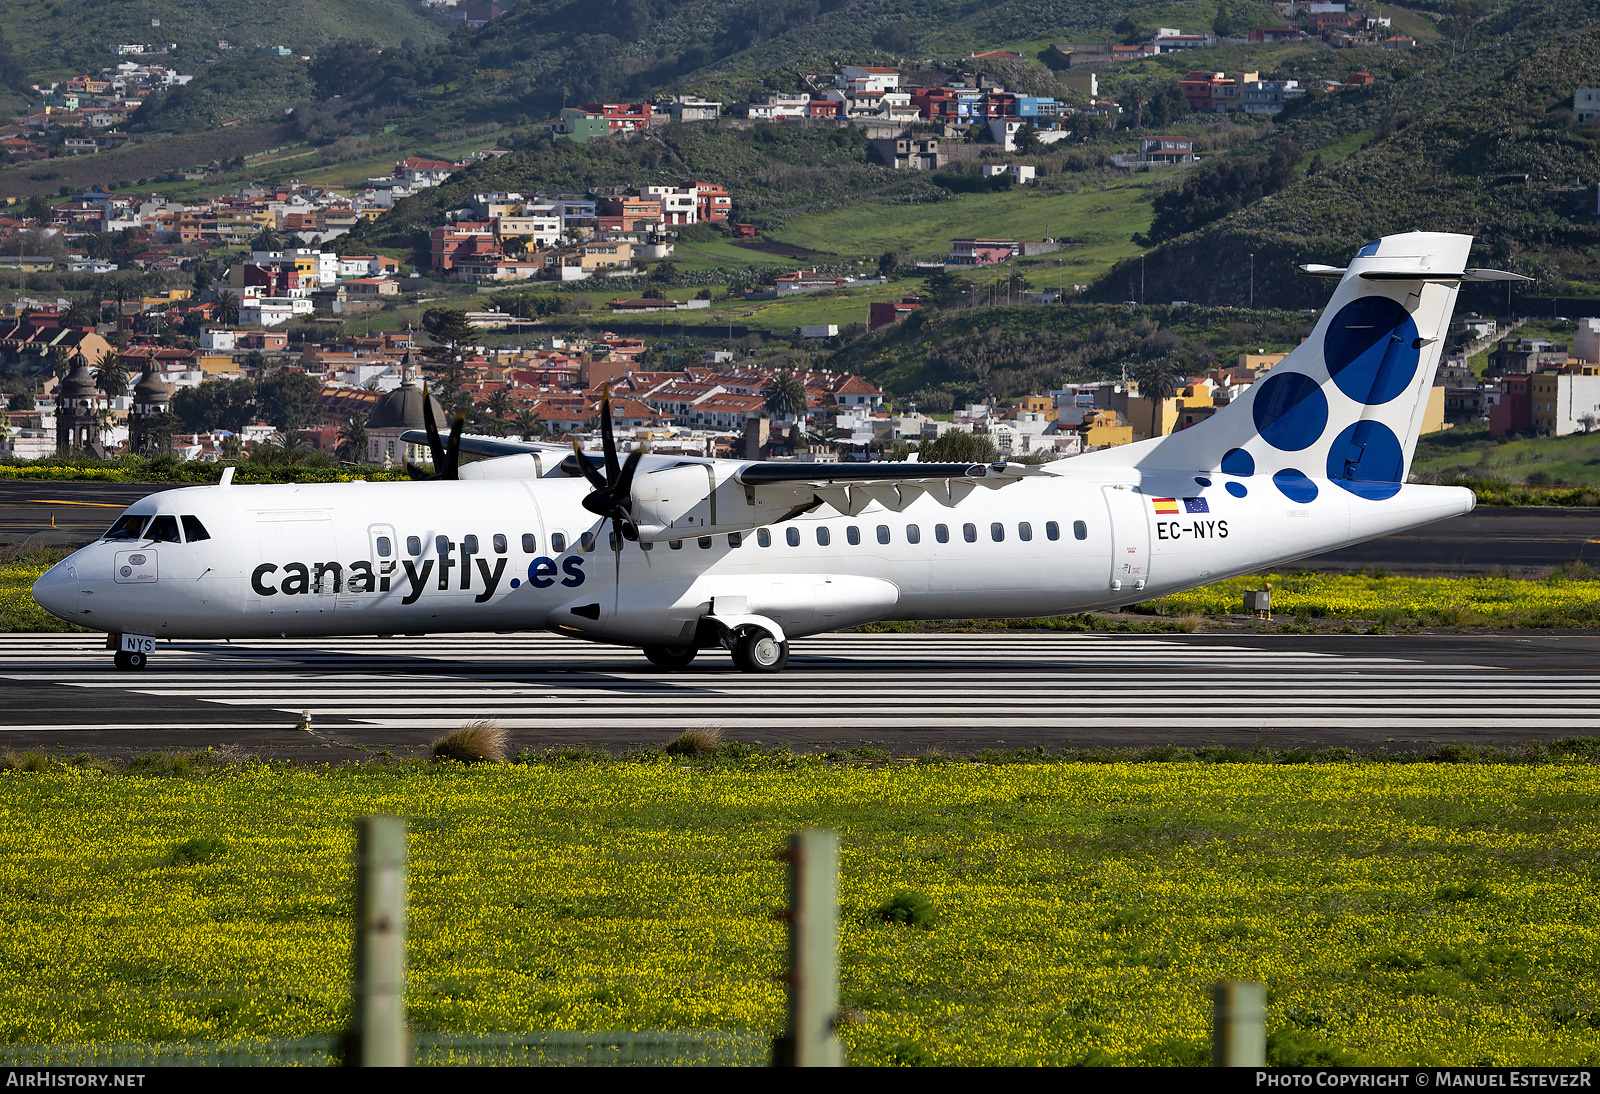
413	558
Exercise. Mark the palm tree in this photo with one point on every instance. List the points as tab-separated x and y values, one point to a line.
228	308
499	403
527	424
785	395
352	444
1158	383
79	314
111	375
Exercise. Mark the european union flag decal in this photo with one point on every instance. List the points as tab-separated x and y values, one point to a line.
1195	505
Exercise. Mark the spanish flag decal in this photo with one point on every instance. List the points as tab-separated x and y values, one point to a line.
1165	506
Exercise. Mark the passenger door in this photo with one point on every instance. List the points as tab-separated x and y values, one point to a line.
1130	538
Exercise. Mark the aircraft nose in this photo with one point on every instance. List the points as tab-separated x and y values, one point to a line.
56	591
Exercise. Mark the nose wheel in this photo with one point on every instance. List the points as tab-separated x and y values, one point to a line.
131	659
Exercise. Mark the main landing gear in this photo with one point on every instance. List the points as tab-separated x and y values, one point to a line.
756	643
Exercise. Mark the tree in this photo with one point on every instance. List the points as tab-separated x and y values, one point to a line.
111	375
785	395
80	313
228	308
1222	25
527	424
887	263
1133	105
288	399
352	443
1158	383
959	446
665	271
1458	25
1027	140
499	404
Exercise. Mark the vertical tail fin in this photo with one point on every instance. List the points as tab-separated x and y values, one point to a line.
1346	405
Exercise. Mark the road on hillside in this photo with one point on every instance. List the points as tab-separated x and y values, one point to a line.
1520	539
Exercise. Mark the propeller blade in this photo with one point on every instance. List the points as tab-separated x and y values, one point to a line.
587	468
622	489
416	472
435	445
452	454
607	440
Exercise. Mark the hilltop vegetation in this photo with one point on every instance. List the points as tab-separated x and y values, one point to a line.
1450	140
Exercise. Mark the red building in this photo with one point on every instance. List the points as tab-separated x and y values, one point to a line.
622	117
712	201
1514	411
461	241
892	311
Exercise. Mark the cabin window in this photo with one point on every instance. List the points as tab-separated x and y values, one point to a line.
611	540
997	532
969	532
913	534
558	542
822	535
1052	530
853	535
413	546
530	545
127	526
675	544
1080	530
499	542
941	532
763	537
587	539
792	536
469	545
193	530
384	546
163	529
735	539
441	546
1025	531
705	543
883	533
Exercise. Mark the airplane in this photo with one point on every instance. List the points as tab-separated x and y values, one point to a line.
674	555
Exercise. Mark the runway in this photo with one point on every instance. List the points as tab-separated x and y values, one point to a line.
906	693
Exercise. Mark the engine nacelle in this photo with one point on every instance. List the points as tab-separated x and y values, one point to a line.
702	499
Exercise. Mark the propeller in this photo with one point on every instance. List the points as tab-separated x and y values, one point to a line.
612	497
446	458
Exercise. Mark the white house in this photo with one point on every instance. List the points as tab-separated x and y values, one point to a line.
865	78
221	340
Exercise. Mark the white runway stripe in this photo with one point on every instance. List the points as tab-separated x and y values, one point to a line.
878	685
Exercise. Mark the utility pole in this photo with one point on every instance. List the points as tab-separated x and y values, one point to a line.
1252	280
812	980
378	1007
1141	280
1238	1024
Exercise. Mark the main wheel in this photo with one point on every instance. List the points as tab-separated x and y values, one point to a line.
671	657
130	659
755	650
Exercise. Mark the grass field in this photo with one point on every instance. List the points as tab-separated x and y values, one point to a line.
1399	914
1570	460
1103	218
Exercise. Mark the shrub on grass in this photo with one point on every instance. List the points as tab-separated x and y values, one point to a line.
695	741
910	908
1302	1048
194	851
476	742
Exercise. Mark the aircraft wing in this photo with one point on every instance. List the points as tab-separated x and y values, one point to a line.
490	446
851	487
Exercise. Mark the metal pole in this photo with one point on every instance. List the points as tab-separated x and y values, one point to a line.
813	976
1239	1024
378	1004
1252	279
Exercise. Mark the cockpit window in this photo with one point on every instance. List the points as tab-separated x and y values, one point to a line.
127	526
163	529
193	530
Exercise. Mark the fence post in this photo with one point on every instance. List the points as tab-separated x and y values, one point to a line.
378	1010
1238	1024
813	974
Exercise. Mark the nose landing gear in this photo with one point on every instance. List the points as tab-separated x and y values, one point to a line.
133	650
130	659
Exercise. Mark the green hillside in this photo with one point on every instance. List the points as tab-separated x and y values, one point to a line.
1452	140
55	38
1573	460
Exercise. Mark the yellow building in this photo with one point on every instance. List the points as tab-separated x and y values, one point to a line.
165	298
1037	404
1102	429
1192	397
1259	362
